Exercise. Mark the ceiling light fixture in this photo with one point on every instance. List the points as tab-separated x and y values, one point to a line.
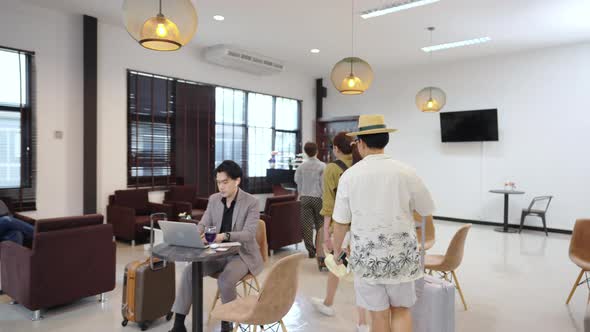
218	18
352	75
456	44
173	26
431	99
315	50
396	7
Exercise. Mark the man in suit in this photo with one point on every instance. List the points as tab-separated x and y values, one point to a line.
235	214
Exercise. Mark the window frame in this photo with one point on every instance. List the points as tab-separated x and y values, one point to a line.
298	132
27	142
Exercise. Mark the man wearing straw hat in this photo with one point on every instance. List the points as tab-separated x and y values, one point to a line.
378	195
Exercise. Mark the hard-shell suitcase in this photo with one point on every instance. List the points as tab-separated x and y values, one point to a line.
434	310
148	289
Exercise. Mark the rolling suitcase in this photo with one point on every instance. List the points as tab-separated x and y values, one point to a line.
148	289
434	310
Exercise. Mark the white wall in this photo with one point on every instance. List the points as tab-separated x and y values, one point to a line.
544	129
56	39
118	52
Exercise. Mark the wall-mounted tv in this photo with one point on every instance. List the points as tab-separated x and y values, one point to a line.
469	126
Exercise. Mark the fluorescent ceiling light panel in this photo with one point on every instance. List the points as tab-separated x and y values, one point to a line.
456	44
396	7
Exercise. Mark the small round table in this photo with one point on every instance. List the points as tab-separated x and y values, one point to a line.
196	257
504	228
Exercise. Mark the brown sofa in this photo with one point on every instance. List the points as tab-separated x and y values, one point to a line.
71	258
283	223
129	211
184	199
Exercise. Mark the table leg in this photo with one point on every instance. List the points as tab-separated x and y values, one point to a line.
197	297
505	228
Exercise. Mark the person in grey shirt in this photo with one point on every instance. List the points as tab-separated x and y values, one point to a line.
309	177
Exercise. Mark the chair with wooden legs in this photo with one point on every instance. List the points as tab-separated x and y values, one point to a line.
429	234
579	252
249	281
449	262
272	304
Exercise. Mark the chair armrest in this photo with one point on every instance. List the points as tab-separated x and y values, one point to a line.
179	207
24	218
166	208
123	220
16	262
201	203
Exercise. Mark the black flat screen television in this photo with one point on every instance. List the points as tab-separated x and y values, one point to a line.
469	126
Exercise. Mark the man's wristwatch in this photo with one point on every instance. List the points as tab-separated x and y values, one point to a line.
226	237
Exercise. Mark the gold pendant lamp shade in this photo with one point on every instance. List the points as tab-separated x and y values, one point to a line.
352	76
160	25
431	99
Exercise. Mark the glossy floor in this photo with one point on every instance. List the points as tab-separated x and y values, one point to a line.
511	282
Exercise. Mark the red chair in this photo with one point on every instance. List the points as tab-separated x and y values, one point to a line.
129	211
283	222
71	258
184	199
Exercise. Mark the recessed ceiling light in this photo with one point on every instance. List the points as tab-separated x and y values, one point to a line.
456	44
218	18
396	7
314	50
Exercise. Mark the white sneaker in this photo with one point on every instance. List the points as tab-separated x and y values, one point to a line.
362	328
319	305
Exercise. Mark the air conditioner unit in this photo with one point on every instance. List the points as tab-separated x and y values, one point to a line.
235	58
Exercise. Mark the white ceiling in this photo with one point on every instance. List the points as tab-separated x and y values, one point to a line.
287	30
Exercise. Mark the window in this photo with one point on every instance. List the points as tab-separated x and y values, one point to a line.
170	125
151	117
17	173
269	123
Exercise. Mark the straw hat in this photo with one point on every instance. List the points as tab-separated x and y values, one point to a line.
371	124
338	270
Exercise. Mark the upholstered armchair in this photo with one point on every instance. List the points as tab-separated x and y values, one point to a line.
283	223
71	258
184	199
129	211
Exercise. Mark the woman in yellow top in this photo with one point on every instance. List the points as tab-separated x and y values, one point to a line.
342	146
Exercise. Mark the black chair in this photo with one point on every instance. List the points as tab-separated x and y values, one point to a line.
543	203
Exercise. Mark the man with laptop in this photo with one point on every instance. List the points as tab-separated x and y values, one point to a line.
235	214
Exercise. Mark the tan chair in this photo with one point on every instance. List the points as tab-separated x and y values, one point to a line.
580	251
272	304
447	264
430	232
247	280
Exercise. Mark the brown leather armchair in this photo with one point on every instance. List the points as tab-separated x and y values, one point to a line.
283	223
184	199
129	211
71	258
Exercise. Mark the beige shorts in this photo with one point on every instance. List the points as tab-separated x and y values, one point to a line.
379	297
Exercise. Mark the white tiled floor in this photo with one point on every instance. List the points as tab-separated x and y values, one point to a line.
511	282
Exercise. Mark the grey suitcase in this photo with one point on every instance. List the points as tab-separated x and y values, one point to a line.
148	288
434	310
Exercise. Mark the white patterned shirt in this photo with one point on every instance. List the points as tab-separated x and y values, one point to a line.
378	195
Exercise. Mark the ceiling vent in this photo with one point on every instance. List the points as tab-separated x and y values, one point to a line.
235	58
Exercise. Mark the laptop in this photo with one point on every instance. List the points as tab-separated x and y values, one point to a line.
181	234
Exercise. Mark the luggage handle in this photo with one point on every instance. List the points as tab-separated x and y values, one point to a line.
151	259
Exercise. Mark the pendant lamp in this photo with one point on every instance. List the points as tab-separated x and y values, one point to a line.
431	99
160	25
352	75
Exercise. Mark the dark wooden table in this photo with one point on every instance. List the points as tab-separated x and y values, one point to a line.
507	193
197	257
